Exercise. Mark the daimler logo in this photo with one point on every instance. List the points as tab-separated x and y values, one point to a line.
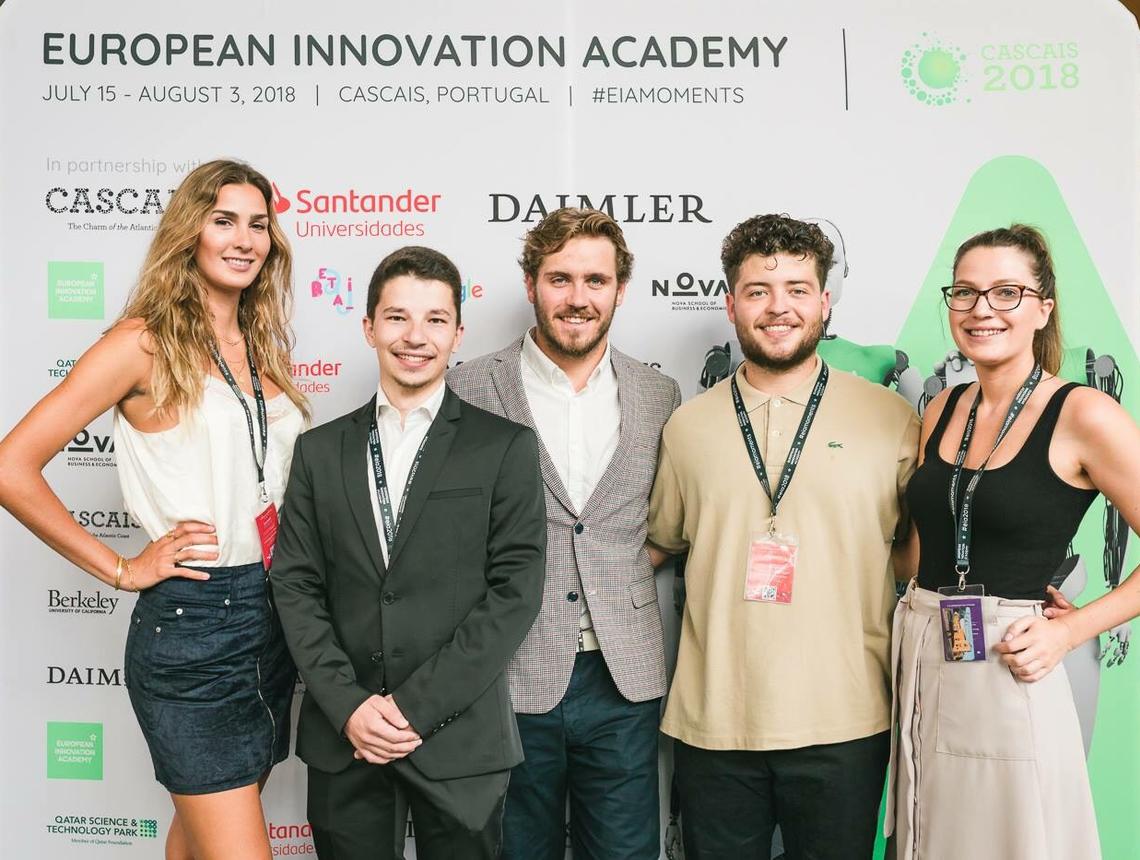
80	602
85	676
624	208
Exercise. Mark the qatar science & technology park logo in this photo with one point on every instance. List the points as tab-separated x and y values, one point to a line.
934	71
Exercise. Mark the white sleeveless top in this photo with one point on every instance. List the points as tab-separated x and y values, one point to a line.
203	469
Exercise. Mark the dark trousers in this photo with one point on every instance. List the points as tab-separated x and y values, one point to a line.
361	814
825	799
602	750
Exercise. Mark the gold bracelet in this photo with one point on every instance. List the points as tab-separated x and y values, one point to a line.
118	571
130	576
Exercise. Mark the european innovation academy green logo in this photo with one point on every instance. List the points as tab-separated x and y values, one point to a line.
932	71
74	750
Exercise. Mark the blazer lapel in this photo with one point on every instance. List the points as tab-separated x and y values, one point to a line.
354	469
440	436
629	398
506	374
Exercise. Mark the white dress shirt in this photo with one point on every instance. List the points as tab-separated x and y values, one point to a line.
579	429
399	442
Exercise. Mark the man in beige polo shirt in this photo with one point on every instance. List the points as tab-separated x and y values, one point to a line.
780	705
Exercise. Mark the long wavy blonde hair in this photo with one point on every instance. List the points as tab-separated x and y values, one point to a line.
170	296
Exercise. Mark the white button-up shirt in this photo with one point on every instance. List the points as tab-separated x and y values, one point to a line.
399	442
579	429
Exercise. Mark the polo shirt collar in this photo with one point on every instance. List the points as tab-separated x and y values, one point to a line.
754	398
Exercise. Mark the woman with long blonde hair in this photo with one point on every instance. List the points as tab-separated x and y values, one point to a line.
205	413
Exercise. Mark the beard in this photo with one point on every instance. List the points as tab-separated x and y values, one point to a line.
565	346
754	351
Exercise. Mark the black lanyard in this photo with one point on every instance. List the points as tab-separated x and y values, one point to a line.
262	420
797	443
963	518
383	496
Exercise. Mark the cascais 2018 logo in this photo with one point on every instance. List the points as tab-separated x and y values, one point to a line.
933	71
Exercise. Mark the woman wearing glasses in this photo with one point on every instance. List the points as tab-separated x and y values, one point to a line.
988	759
206	413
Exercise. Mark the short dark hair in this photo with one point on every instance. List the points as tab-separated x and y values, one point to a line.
776	234
427	264
550	235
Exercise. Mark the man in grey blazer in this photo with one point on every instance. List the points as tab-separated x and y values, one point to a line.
587	682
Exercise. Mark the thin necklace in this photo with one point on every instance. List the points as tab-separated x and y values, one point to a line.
241	337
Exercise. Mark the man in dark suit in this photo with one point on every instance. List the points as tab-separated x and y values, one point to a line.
408	569
588	679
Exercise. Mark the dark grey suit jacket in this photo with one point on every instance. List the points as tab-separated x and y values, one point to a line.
435	628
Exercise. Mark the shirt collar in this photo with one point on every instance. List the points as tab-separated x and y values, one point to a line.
430	404
754	398
549	372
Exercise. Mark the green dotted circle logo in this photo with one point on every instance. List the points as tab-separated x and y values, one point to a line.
932	71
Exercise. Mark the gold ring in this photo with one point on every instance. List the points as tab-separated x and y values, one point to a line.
170	534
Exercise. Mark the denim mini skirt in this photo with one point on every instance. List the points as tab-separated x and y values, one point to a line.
210	679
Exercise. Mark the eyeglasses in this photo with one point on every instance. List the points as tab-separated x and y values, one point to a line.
1003	297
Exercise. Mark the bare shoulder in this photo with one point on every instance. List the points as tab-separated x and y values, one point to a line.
934	409
130	337
1092	414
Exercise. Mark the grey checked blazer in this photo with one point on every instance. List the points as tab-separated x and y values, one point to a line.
598	552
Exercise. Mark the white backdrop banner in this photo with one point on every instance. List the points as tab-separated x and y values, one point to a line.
903	127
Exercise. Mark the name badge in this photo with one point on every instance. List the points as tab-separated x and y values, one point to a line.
771	569
963	629
266	523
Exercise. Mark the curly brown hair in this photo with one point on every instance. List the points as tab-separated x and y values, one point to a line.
550	235
771	234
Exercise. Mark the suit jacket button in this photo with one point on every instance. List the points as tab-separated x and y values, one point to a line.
579	528
388	598
572	596
377	656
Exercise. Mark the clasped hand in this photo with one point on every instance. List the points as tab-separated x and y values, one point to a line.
379	732
1034	645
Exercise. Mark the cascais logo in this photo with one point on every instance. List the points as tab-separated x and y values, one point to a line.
85	200
933	72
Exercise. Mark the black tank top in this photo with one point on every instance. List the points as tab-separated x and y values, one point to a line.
1024	515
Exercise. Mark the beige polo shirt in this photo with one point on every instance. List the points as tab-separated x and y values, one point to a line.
759	676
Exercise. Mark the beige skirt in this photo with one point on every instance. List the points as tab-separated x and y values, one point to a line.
982	765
